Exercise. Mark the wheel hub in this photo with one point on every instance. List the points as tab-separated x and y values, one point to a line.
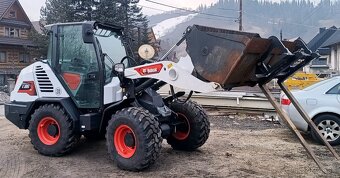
52	130
329	129
48	131
129	140
124	141
182	130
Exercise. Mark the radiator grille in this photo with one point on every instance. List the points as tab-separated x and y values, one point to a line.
44	82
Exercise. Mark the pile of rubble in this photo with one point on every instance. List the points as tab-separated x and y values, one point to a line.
4	97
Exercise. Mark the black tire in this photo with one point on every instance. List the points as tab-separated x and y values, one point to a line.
331	133
67	137
197	126
145	139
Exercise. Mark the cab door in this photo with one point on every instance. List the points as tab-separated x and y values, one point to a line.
78	67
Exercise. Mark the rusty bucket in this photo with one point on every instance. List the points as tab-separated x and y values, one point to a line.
233	58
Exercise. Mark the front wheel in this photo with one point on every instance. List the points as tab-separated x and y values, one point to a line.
329	127
133	138
194	128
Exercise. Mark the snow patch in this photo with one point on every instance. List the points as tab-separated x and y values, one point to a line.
169	25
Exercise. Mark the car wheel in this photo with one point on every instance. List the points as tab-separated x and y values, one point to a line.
329	126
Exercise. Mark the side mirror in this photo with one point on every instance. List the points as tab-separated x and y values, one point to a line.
88	33
118	70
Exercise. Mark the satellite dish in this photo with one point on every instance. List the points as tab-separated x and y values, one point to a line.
146	52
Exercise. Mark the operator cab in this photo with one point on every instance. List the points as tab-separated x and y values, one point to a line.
82	55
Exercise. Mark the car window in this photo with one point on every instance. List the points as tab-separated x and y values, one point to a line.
334	90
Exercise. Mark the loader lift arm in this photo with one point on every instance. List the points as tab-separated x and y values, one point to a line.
224	59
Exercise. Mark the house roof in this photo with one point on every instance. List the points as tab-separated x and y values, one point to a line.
4	6
334	39
320	39
16	41
37	25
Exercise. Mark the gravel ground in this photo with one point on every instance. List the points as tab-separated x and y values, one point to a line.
239	146
2	112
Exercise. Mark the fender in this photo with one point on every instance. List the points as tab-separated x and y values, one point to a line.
19	113
66	103
111	109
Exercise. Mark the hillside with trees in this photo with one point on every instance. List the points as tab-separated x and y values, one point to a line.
294	18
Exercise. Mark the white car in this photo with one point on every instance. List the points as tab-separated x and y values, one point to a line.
322	103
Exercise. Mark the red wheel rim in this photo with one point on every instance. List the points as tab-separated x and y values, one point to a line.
182	131
119	139
43	133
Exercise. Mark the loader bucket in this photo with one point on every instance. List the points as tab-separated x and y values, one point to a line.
233	58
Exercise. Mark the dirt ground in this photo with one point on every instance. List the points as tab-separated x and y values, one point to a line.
239	146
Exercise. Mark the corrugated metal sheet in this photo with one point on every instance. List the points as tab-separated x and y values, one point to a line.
334	39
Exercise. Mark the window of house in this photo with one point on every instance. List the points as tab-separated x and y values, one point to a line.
24	58
2	80
6	31
12	32
3	57
12	14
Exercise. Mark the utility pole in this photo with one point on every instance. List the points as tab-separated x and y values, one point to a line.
241	16
126	17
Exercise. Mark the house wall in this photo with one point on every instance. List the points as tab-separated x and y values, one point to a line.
12	65
2	30
23	31
21	16
335	58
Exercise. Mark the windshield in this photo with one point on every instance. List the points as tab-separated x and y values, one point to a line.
112	48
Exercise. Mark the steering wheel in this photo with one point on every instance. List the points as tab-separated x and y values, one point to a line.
129	58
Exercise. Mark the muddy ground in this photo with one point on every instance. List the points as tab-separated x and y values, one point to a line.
239	146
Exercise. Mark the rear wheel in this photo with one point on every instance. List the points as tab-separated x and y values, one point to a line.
329	127
194	128
133	138
51	131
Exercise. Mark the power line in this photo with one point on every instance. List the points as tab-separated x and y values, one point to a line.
183	14
193	11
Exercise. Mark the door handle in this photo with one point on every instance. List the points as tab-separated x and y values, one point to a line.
91	76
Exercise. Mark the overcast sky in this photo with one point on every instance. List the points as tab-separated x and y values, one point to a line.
32	7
